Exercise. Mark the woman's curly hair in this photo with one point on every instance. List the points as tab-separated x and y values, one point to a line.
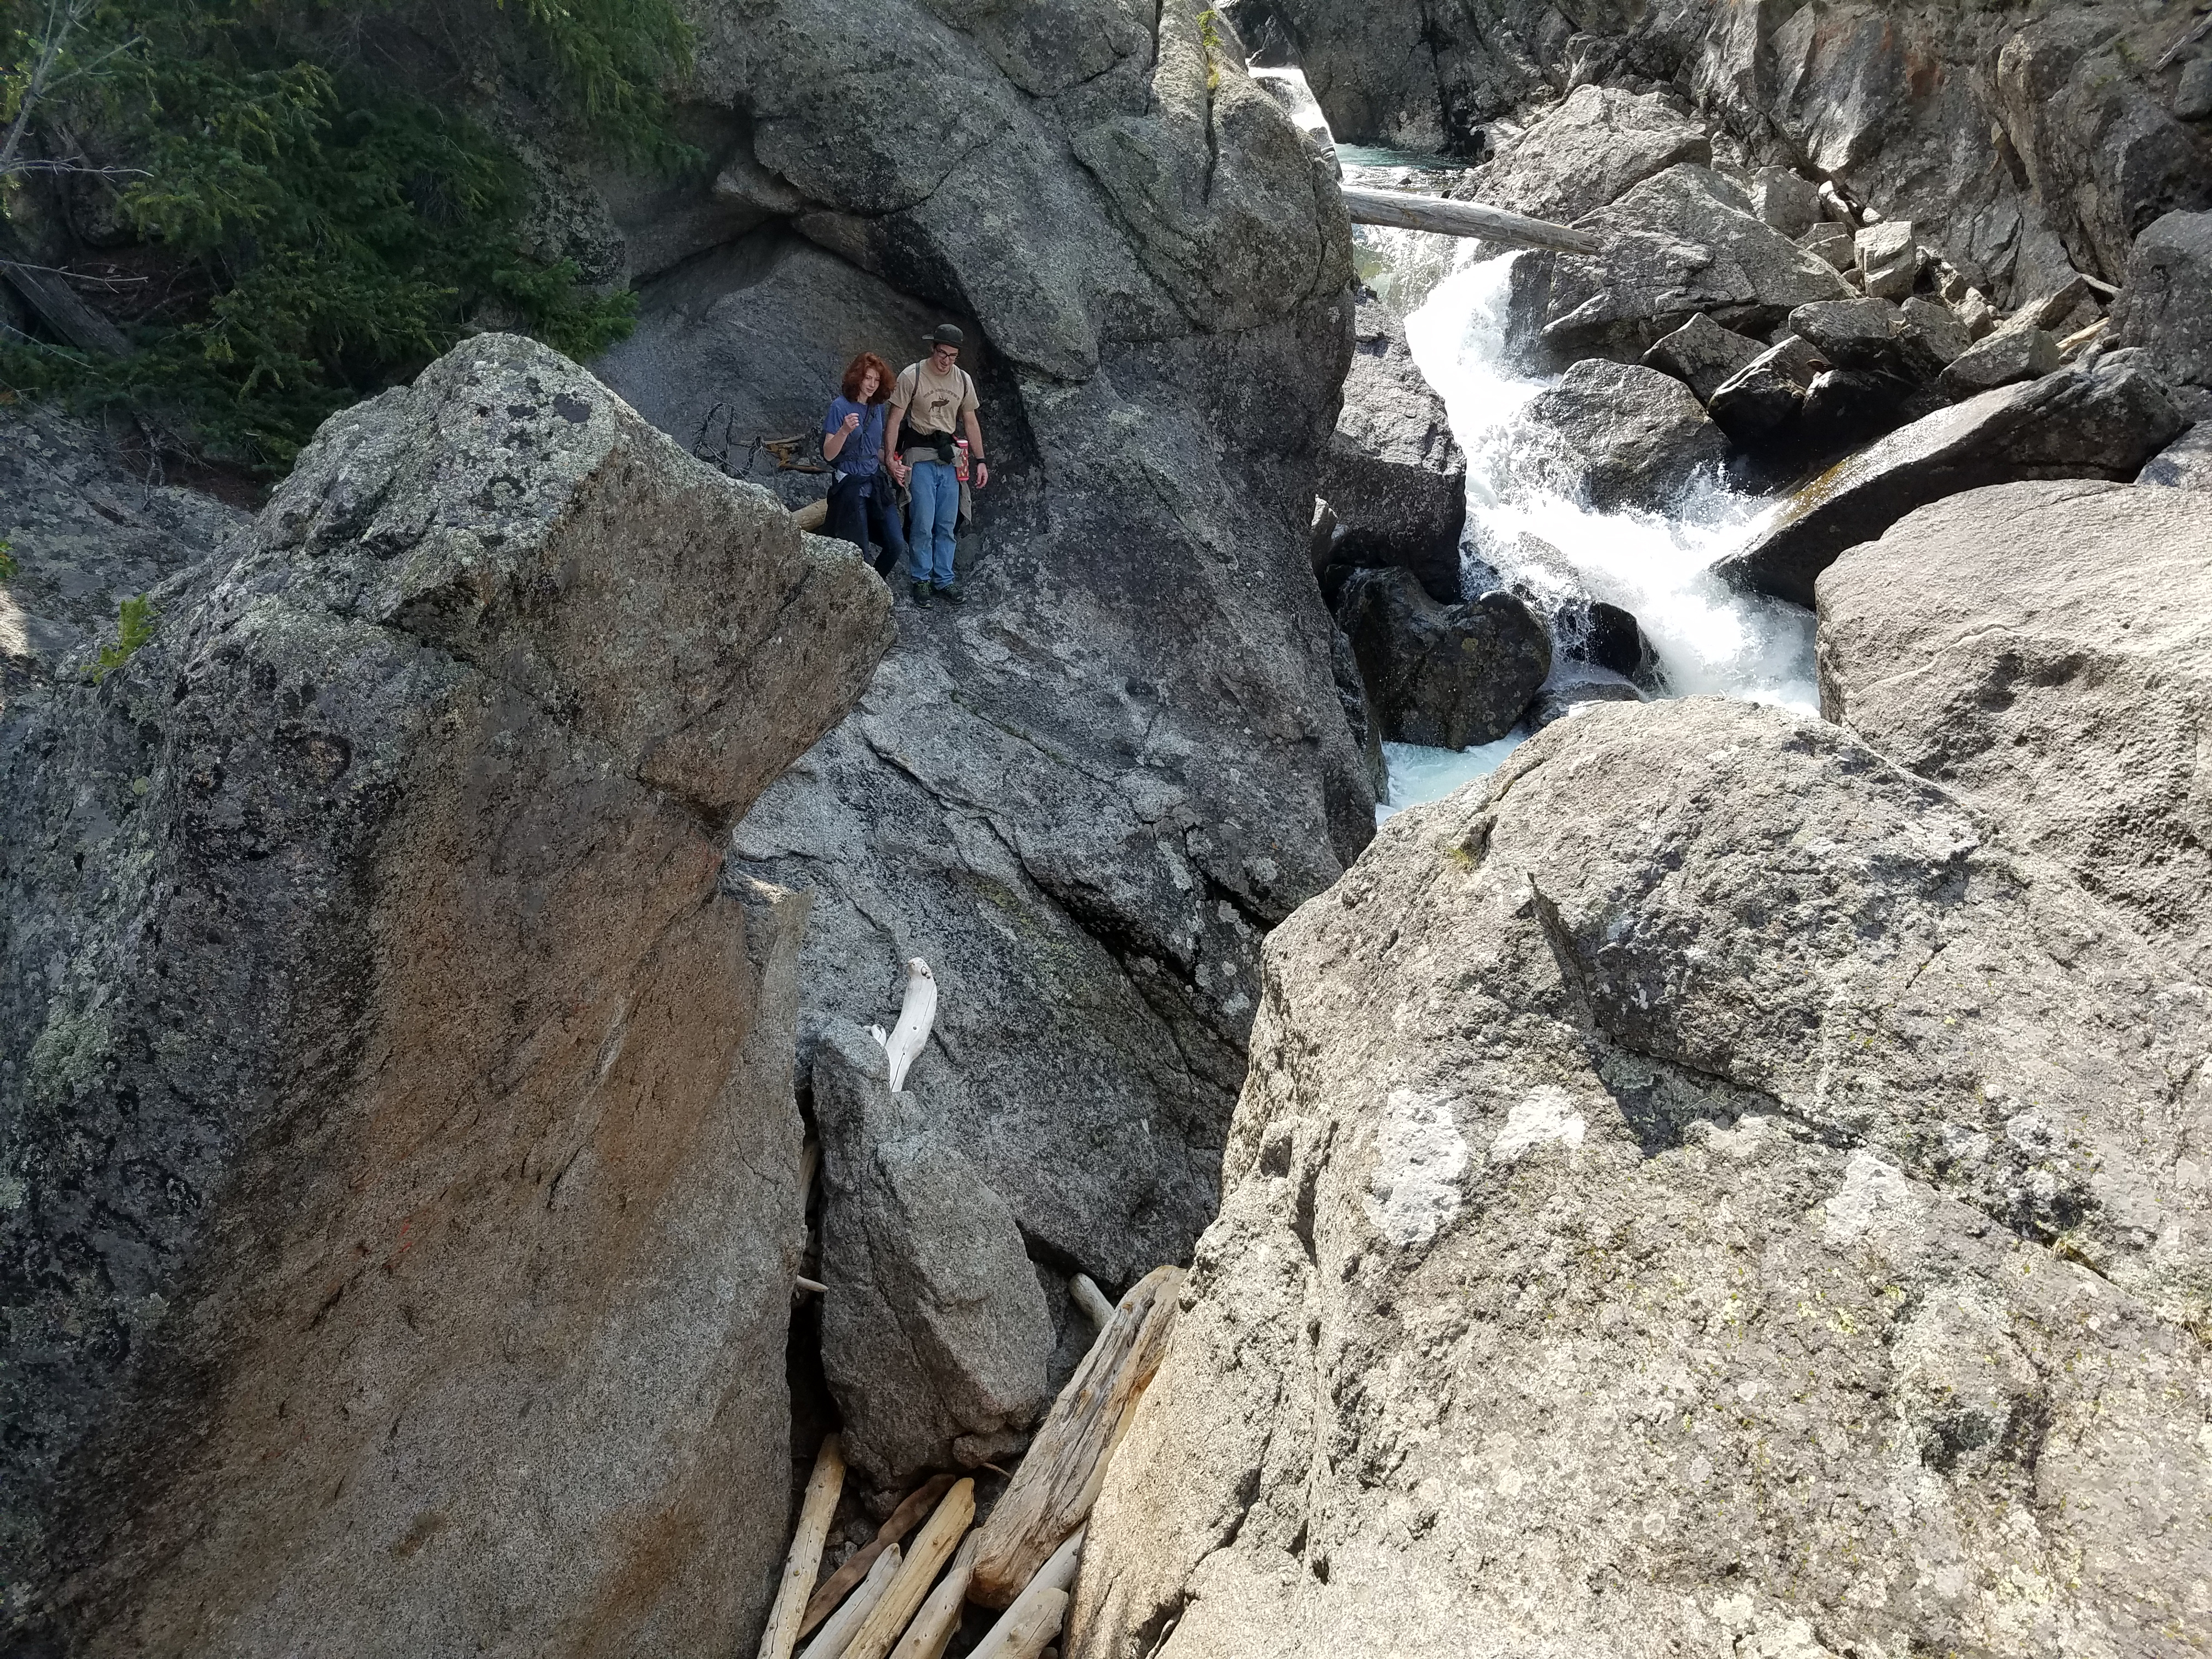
856	371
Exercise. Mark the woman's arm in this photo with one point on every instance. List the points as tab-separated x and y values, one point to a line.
833	443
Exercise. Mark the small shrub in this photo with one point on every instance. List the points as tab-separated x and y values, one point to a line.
133	627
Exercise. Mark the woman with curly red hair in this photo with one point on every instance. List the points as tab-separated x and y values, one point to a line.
862	500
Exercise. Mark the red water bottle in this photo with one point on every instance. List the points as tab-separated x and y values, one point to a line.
960	459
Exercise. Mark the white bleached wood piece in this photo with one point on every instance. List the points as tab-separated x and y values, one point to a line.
1058	1480
839	1627
1447	217
1093	1300
939	1536
803	1564
916	1015
1021	1630
933	1627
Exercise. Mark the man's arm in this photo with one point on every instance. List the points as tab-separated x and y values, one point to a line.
975	449
890	443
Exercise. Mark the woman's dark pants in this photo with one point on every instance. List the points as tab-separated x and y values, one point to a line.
857	518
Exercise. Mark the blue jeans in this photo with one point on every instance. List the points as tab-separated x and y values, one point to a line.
936	510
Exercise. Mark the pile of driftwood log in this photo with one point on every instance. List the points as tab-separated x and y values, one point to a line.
891	1602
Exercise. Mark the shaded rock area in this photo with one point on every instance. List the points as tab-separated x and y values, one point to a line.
396	1101
88	532
1392	473
1084	795
1703	1175
1442	676
935	1334
2040	648
2084	423
1702	356
1615	435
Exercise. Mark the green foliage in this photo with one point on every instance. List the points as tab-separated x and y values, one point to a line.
134	626
1209	37
329	231
6	562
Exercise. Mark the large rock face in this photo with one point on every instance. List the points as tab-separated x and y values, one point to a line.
2041	649
1599	142
400	1154
1899	103
2084	423
1703	1192
1084	796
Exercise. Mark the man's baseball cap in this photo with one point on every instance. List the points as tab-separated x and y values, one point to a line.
945	334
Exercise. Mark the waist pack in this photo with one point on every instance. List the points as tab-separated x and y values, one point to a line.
940	442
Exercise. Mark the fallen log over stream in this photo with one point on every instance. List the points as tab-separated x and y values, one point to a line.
1447	217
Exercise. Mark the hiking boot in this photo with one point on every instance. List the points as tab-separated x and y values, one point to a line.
952	593
922	596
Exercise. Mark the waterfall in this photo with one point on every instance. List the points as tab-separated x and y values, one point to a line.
1710	639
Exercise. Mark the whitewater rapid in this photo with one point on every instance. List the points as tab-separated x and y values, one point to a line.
1710	638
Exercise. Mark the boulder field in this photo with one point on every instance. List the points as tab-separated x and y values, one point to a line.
1734	1183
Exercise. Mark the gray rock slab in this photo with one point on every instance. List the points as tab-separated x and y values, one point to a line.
1702	356
1768	391
1392	473
2075	424
1786	200
1832	242
2185	464
1887	257
2004	358
2192	96
1613	435
1851	333
2039	647
1445	676
2166	306
935	1334
1706	1072
396	1107
1599	142
1683	241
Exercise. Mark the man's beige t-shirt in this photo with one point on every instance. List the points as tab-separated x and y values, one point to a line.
933	402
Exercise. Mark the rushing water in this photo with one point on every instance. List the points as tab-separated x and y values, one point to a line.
1710	638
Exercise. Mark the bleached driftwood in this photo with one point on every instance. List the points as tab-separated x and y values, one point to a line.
916	1015
1052	1493
916	1503
1447	217
939	1536
1035	1616
838	1630
1093	1300
812	516
811	1287
804	1561
933	1627
1028	1630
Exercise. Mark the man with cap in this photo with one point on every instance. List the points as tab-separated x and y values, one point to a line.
928	400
